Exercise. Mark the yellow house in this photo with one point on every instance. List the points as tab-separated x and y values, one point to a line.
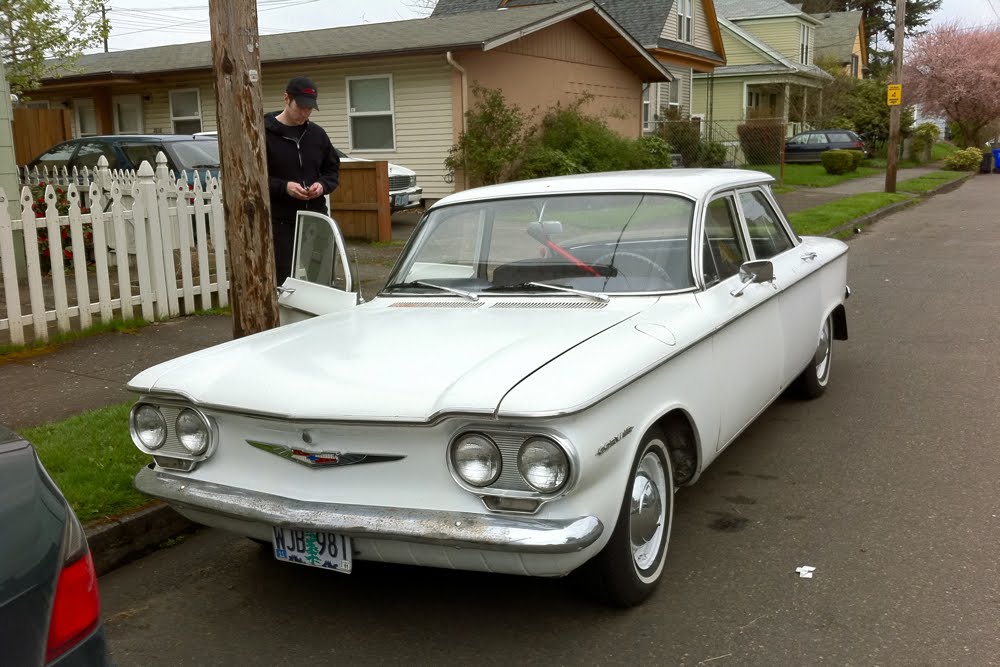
770	67
387	91
841	42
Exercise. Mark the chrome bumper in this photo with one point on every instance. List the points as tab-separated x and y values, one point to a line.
449	529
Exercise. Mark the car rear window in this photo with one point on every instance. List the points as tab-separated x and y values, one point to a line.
840	137
196	154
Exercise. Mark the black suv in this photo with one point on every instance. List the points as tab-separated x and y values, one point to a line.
807	146
184	152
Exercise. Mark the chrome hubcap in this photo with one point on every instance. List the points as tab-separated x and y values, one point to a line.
823	352
647	512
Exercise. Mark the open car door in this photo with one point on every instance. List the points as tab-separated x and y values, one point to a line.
321	280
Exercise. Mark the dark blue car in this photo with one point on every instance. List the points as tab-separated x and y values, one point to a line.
49	604
184	152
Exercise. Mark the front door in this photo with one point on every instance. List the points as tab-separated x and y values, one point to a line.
321	280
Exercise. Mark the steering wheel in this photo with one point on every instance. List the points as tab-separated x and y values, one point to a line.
615	258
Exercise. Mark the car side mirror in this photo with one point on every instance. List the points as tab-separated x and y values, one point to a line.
757	271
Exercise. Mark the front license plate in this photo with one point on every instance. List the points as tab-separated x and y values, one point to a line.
402	200
328	551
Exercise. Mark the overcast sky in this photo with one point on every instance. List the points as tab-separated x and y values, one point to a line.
140	23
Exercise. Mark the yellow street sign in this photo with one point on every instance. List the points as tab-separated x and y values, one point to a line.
895	94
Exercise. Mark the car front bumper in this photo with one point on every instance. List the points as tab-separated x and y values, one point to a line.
406	199
485	532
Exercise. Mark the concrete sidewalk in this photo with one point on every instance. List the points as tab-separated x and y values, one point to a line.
92	372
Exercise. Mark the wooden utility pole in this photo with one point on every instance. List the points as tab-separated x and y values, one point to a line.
236	59
895	110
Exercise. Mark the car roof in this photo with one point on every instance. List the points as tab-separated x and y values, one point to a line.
110	138
696	183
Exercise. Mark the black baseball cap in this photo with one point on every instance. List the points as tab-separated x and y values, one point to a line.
303	91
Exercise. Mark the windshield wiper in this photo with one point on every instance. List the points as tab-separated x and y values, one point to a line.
559	288
420	283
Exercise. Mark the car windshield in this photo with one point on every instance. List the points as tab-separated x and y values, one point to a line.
605	243
196	154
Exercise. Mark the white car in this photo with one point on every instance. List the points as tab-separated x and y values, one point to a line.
548	361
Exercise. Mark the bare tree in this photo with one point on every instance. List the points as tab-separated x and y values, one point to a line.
422	7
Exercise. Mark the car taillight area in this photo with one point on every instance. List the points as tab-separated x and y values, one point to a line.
76	608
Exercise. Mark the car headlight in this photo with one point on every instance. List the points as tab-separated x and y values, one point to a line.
543	464
148	426
193	431
476	459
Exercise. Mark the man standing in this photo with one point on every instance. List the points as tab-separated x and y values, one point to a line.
302	167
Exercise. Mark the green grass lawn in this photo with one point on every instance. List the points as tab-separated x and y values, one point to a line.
924	184
941	150
819	220
813	175
92	459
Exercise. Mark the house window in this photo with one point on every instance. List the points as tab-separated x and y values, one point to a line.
753	100
85	117
128	114
855	66
646	125
675	93
185	111
36	104
370	112
685	21
805	32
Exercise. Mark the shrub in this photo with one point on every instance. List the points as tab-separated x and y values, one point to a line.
968	159
712	154
64	244
837	161
924	137
539	161
491	147
761	141
653	152
683	136
858	156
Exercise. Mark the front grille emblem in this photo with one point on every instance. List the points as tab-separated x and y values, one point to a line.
322	459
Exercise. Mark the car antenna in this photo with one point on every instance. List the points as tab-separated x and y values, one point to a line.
357	272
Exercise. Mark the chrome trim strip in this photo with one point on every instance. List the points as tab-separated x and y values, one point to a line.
445	529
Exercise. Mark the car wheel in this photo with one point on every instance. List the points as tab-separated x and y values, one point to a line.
814	379
628	570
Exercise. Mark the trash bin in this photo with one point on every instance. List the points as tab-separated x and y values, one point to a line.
996	159
986	166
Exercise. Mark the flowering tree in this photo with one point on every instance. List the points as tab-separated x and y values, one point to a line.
955	71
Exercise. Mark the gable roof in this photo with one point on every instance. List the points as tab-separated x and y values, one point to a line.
836	35
737	10
643	19
477	30
778	63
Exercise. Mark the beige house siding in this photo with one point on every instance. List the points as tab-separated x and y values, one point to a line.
561	64
782	35
702	35
422	102
661	91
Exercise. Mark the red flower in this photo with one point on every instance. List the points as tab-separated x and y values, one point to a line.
39	214
67	253
84	209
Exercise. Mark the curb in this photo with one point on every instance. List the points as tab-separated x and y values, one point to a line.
132	535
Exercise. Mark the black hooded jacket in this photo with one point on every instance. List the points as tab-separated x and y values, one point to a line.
304	159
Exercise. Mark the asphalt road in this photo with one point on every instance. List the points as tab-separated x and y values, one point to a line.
887	485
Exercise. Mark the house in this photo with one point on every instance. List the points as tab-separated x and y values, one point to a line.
841	42
770	70
682	34
395	91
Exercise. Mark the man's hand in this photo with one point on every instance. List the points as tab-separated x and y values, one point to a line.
297	191
315	190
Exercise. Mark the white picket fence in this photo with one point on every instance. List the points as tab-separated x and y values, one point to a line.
158	247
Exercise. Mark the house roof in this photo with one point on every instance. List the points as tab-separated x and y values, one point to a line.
476	30
643	19
836	36
778	63
736	10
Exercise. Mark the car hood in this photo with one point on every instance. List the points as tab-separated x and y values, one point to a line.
406	361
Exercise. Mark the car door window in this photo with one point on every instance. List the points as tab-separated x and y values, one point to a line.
136	154
722	252
767	235
799	140
57	156
91	151
817	138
